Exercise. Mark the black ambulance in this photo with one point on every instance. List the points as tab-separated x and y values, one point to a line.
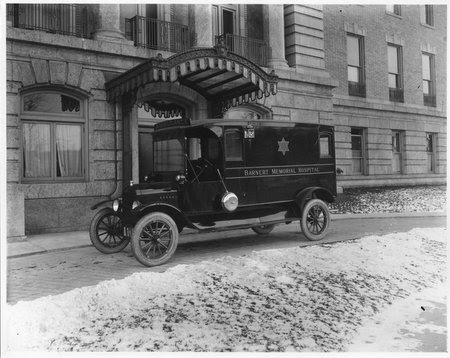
219	174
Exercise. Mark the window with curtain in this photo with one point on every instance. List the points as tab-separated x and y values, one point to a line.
427	15
53	130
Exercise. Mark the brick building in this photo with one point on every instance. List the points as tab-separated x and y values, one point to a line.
87	82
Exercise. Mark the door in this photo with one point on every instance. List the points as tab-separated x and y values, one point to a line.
397	152
203	188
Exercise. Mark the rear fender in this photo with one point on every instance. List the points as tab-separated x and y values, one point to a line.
313	193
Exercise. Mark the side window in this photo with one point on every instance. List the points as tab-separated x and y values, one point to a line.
53	137
326	145
233	144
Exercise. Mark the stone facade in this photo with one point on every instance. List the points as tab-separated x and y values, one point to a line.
310	61
375	113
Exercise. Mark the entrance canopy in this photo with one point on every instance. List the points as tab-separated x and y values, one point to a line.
222	77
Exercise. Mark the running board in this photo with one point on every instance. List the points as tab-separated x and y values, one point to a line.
226	225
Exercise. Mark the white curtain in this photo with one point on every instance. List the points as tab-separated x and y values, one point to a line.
36	150
68	150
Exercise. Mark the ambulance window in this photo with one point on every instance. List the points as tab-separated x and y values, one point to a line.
325	146
233	144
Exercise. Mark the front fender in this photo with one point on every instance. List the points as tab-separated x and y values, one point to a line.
101	203
175	213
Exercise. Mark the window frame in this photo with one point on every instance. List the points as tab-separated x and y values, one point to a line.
396	94
427	15
429	99
363	158
398	137
396	10
431	154
357	88
53	119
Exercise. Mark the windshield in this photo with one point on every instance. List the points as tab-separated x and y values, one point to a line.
169	152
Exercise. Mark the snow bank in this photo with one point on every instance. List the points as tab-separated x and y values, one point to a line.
313	298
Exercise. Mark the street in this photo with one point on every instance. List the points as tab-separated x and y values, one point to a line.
56	272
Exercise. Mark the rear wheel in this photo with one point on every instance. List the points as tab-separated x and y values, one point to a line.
315	220
263	229
107	232
154	239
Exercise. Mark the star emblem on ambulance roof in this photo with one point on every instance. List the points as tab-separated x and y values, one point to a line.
283	146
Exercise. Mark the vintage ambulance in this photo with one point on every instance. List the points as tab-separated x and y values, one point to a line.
214	175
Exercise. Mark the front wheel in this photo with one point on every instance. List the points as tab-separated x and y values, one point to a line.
154	239
107	232
315	220
263	229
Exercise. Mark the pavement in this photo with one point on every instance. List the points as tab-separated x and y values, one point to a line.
51	242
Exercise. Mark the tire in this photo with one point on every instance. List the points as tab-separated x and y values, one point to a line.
315	220
263	229
107	232
154	239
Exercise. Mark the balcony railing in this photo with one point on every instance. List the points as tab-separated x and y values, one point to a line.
396	95
429	100
257	51
65	19
157	34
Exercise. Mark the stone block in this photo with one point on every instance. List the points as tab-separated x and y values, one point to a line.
103	155
92	79
104	170
101	110
102	140
104	125
74	74
58	72
12	137
22	73
15	218
41	70
12	104
12	172
304	116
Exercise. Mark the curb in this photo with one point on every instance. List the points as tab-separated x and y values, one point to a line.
334	217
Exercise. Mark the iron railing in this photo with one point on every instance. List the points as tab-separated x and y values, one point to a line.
356	89
396	95
429	100
158	35
257	51
65	19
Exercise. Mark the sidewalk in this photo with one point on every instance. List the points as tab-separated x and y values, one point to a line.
37	244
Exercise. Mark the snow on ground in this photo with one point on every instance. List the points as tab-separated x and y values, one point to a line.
391	200
317	298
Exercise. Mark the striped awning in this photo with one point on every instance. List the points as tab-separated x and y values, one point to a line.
220	76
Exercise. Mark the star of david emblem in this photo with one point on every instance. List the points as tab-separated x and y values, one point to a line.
283	146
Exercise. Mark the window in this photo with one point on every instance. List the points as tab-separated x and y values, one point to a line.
426	15
394	9
358	150
53	137
325	146
169	155
428	82
395	76
224	24
233	145
355	68
431	152
397	151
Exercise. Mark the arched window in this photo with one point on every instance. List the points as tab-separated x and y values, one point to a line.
248	112
53	137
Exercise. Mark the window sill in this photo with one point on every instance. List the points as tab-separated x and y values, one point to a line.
429	26
393	14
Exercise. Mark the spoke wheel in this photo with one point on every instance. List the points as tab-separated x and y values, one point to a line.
263	229
154	239
315	220
107	232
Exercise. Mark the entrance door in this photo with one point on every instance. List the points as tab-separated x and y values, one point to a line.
397	152
145	152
